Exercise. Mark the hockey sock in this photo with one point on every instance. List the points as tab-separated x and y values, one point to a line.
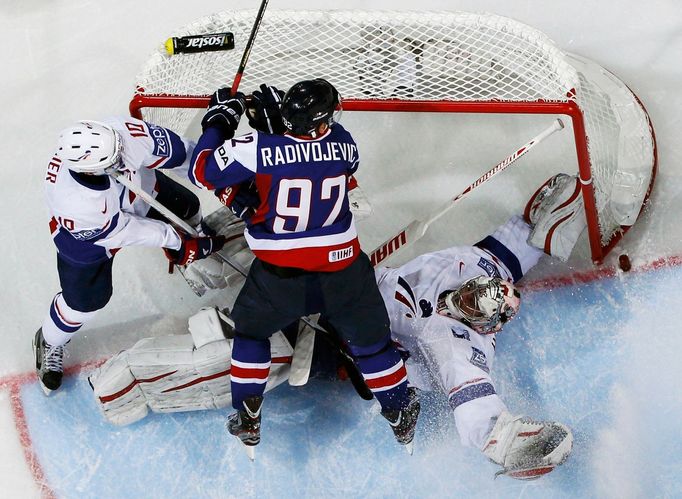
250	368
384	372
62	322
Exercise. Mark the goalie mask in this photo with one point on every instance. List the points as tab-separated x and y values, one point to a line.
483	303
90	147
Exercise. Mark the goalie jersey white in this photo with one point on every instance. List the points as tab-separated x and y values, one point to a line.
89	221
445	354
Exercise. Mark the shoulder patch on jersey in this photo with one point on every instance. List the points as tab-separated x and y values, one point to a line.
489	267
479	359
162	143
460	333
241	149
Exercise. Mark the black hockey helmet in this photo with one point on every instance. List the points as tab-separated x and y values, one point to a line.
309	103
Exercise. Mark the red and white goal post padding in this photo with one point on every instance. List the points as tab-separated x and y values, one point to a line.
449	62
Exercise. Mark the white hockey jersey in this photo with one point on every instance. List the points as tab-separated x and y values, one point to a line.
89	222
445	354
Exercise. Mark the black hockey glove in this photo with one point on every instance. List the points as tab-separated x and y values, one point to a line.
224	112
241	199
264	110
194	248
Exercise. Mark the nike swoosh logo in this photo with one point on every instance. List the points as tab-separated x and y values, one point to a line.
397	423
105	206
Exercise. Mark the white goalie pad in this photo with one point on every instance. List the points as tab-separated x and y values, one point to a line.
214	272
556	214
527	449
178	373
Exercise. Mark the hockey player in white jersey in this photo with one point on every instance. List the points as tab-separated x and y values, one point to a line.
92	216
445	309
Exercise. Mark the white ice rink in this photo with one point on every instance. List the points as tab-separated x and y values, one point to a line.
601	356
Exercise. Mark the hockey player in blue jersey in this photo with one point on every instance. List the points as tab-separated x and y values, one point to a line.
92	216
446	309
308	258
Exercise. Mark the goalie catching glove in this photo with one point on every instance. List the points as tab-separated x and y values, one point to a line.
527	449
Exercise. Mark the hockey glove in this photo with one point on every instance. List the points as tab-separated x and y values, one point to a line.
264	110
194	248
241	199
224	112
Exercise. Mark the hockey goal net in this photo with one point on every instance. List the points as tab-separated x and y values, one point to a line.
428	62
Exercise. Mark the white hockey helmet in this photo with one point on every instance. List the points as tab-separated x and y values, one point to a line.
90	147
484	303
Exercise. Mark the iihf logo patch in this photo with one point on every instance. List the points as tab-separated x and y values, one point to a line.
489	267
478	359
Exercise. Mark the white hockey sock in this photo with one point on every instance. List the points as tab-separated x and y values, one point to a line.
62	322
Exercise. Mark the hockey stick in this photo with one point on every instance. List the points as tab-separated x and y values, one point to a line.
299	375
249	46
417	228
302	358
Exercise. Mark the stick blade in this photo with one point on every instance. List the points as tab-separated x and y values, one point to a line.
303	357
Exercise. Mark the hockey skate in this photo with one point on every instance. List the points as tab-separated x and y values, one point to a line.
49	363
245	424
404	421
527	449
555	212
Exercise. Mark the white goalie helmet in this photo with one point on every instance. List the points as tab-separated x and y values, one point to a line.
484	303
90	147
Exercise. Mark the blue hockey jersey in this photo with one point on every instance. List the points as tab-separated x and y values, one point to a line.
303	219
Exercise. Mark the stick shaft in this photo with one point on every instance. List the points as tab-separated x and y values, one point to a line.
170	216
249	46
417	228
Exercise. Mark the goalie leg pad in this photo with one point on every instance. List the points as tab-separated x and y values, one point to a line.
527	449
213	272
556	214
117	392
178	373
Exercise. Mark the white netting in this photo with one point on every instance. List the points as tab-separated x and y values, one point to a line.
423	56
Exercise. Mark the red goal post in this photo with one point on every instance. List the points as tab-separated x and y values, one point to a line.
429	62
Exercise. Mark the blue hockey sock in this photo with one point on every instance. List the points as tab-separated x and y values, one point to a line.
250	368
384	372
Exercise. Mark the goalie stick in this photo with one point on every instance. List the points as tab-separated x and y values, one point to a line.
417	228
